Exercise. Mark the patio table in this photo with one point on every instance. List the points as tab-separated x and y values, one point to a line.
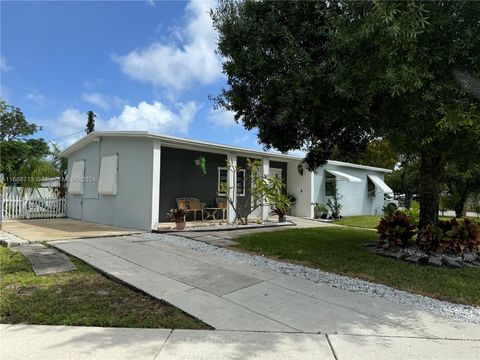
211	213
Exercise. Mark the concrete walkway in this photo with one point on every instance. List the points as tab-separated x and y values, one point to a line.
45	261
75	343
223	238
234	296
38	230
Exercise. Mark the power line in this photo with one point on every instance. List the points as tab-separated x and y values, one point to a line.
61	137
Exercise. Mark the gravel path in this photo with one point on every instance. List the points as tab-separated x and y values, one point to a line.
460	312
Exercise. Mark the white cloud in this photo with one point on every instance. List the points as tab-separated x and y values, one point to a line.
221	118
154	117
102	101
37	98
188	60
68	126
3	64
150	2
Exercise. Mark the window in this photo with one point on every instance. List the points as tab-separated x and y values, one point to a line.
107	184
371	188
330	185
75	185
241	182
223	181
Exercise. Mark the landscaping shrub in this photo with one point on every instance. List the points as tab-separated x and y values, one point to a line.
451	236
396	229
414	212
461	235
429	238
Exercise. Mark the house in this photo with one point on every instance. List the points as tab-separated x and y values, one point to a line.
132	178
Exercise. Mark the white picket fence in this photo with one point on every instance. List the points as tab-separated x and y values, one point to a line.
16	207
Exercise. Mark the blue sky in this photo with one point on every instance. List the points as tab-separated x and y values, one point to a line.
138	65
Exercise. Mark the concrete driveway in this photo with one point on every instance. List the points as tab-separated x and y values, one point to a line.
233	296
37	230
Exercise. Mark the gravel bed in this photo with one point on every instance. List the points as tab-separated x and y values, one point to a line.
438	307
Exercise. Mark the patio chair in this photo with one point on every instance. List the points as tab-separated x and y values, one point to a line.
192	205
222	204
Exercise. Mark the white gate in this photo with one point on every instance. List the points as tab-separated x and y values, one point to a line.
17	206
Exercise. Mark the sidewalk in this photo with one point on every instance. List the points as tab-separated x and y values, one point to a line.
75	343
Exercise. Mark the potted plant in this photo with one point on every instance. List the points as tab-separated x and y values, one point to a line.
202	162
178	215
321	211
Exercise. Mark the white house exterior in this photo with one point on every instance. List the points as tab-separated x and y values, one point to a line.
129	179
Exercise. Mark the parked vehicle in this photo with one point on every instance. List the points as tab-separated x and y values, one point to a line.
389	202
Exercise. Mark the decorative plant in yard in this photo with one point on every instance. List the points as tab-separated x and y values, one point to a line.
177	215
451	236
462	235
429	238
396	230
281	205
333	203
414	212
320	210
263	190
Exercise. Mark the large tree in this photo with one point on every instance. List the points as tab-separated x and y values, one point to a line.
325	75
22	158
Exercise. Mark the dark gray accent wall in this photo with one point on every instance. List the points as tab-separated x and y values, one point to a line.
180	177
283	166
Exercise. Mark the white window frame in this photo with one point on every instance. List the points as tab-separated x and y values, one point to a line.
219	169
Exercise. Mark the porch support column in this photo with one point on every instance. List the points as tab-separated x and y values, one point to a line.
155	191
232	187
265	173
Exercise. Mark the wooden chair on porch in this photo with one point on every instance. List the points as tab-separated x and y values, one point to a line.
191	205
222	204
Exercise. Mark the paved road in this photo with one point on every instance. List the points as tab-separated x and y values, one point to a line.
75	343
233	296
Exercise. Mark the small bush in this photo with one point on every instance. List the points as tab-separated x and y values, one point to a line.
396	229
414	212
429	238
461	235
451	236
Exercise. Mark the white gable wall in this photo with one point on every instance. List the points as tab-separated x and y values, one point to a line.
131	207
355	200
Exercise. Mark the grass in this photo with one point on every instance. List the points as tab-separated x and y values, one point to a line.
364	221
342	251
371	221
82	297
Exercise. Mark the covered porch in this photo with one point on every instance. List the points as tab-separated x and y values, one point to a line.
184	182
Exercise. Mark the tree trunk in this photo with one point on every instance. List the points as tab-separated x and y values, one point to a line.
430	170
459	210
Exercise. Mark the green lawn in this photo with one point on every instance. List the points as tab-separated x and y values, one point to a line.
364	221
341	250
80	297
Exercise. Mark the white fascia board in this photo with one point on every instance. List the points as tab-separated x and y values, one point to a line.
198	145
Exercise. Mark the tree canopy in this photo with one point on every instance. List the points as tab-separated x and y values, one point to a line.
22	158
325	75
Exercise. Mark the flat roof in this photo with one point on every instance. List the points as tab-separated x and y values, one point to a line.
173	141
